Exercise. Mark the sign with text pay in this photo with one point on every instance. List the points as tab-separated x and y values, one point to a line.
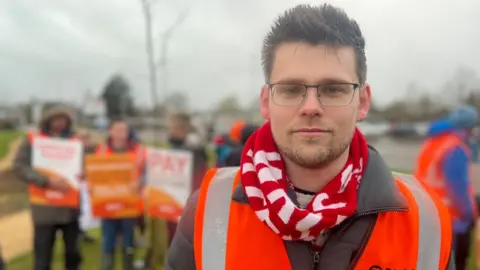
169	178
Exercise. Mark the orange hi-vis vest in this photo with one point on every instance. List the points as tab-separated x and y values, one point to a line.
229	236
140	156
138	151
430	167
70	199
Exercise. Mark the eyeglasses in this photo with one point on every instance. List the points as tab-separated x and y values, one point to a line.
330	95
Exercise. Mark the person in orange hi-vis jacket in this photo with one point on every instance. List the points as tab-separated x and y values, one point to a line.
120	141
444	164
309	192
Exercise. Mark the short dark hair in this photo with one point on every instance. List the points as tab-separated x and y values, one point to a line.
116	120
315	25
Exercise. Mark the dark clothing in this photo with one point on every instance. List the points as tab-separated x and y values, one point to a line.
377	192
462	248
234	157
2	263
44	239
247	131
90	149
111	228
235	154
171	227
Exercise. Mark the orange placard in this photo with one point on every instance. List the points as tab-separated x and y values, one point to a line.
113	185
46	196
161	204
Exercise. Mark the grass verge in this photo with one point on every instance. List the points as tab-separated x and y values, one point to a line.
91	253
6	138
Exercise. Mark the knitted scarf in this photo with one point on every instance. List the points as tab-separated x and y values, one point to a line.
265	182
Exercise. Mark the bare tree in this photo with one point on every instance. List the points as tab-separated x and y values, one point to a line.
152	68
165	39
152	61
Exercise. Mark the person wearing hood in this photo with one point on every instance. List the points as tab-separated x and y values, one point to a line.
234	156
444	165
120	140
47	220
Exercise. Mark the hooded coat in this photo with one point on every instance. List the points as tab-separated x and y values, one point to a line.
456	163
43	214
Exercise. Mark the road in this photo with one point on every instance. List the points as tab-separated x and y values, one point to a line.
400	155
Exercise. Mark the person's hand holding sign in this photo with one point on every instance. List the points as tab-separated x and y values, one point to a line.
58	184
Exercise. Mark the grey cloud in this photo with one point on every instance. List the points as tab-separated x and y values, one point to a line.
58	49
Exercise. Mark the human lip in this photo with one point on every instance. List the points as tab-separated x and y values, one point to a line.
311	132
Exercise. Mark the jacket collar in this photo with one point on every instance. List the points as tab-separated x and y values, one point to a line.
377	191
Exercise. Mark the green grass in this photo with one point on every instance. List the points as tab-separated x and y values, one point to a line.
473	252
6	138
90	252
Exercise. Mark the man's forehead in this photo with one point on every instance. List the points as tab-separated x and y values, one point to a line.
316	60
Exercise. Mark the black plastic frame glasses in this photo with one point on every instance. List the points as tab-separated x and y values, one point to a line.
355	86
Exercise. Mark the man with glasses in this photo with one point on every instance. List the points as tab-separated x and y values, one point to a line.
309	192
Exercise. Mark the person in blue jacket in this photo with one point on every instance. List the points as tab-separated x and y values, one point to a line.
456	168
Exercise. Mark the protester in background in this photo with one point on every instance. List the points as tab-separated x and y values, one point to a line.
182	136
120	141
234	155
223	145
88	142
47	220
444	165
236	131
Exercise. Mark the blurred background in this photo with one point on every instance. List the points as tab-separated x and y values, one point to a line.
141	59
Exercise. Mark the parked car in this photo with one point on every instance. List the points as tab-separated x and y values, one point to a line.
403	131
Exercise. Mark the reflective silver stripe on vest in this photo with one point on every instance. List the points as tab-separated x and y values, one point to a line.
430	231
215	219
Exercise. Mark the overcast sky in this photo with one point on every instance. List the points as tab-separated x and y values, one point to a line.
57	49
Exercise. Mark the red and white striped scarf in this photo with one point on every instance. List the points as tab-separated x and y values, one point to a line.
265	182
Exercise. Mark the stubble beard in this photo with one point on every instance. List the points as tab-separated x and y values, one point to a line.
322	158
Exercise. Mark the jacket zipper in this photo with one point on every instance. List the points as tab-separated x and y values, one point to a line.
316	259
369	232
316	254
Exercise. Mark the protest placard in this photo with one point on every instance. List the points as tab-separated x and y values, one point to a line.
57	158
169	178
113	185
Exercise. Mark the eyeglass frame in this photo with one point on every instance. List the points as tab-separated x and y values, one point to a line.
356	86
